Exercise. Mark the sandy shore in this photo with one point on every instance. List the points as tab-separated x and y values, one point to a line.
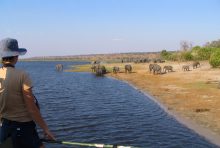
192	97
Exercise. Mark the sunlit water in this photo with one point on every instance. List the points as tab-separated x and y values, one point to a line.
81	107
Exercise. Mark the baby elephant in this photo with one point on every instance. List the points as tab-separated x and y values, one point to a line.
167	68
115	69
185	67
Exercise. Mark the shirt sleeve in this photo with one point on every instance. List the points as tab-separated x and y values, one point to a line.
27	82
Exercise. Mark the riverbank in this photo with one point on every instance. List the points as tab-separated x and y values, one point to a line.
192	96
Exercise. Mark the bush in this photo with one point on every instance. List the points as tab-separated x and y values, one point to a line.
195	51
165	55
173	57
215	58
186	56
202	53
205	53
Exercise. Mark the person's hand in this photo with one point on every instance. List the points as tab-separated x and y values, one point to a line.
49	135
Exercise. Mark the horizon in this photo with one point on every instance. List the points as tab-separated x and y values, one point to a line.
84	27
93	54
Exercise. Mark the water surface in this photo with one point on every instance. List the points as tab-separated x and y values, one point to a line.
81	107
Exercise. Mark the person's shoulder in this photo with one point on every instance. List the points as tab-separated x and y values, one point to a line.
21	72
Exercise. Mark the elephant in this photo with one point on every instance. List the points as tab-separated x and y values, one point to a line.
167	68
156	69
185	67
115	69
128	69
59	67
196	64
151	67
93	67
100	70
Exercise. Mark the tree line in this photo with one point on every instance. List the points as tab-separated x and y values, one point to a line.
210	51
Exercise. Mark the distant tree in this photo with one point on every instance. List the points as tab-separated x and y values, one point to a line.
165	55
185	45
215	44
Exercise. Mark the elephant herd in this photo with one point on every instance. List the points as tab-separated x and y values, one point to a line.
154	68
195	64
128	69
100	70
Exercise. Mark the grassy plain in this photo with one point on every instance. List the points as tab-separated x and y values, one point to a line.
193	94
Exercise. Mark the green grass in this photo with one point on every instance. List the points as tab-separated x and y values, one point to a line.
85	68
80	68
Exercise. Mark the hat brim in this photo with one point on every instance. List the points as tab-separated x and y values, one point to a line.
20	51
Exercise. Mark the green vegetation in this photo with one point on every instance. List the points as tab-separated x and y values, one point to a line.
211	52
202	53
166	55
81	68
85	68
215	58
186	56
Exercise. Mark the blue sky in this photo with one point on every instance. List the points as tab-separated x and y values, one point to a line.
74	27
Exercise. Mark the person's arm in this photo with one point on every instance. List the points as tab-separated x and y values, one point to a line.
35	113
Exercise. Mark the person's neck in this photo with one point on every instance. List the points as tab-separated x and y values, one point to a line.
9	65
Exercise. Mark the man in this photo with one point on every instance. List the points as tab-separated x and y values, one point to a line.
18	111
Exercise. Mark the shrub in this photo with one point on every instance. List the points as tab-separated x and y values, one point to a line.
165	55
186	56
203	53
215	58
195	51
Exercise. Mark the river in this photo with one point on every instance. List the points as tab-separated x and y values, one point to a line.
81	107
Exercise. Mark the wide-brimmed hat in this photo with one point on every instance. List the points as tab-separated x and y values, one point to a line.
9	47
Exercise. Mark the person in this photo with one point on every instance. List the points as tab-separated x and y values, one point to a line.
18	112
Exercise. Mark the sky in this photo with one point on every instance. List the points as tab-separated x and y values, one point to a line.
80	27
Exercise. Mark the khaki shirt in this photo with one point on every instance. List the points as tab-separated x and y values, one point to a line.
12	106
